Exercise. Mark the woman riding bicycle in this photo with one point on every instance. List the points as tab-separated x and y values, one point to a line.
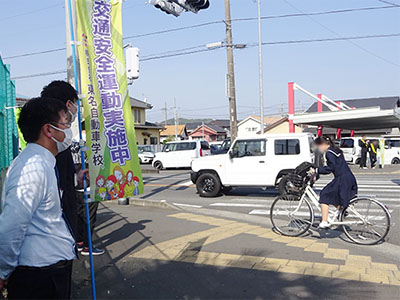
343	187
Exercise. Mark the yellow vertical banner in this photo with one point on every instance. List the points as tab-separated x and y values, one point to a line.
110	134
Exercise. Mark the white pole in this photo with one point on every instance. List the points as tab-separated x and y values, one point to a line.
260	65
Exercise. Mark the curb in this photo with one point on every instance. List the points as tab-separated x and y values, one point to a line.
154	204
150	171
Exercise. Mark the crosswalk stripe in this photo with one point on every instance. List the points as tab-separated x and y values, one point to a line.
300	214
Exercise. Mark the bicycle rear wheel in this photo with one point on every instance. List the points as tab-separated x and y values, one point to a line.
370	221
291	216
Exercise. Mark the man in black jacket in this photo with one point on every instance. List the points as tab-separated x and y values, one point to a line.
364	144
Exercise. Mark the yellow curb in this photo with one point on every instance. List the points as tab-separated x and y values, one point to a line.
323	266
318	272
292	269
345	275
317	247
333	253
301	243
373	278
382	266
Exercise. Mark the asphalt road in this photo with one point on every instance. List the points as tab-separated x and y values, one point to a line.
175	187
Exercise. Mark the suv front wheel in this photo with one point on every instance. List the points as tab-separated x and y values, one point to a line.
208	185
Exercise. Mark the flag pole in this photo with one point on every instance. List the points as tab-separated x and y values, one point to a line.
73	43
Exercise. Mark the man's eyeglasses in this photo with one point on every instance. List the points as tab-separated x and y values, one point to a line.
66	124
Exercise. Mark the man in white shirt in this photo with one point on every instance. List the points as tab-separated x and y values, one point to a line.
36	243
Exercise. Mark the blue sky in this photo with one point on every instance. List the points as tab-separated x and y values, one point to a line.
339	69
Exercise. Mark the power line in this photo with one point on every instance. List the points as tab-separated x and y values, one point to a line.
35	53
221	22
31	12
248	45
349	41
391	3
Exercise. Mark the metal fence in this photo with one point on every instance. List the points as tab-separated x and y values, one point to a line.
8	125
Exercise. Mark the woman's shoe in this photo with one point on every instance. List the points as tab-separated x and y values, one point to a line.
324	225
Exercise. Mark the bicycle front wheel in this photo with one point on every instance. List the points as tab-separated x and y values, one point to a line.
367	221
291	216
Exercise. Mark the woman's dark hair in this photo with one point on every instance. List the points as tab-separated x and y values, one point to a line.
37	112
327	141
59	89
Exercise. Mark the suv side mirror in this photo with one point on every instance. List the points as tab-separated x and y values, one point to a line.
231	154
387	147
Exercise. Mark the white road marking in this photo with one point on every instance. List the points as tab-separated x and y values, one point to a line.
187	205
237	205
187	183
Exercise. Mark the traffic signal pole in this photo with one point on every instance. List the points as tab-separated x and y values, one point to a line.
231	71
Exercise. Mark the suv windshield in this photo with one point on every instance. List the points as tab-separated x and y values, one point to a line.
346	143
142	149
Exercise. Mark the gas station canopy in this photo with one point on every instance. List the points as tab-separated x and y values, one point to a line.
354	119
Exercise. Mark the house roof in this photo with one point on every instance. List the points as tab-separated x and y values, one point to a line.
193	126
216	128
170	130
139	103
277	123
148	125
221	123
267	119
382	102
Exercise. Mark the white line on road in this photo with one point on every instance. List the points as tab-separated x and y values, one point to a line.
187	205
237	205
187	183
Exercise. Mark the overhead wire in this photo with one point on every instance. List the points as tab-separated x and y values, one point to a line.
220	22
248	46
30	12
340	36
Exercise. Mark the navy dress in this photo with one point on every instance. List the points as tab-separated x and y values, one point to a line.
344	186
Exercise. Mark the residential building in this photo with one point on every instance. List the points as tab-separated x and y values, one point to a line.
251	125
281	126
209	132
147	133
168	132
225	124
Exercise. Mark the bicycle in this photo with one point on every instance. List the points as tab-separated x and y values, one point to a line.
293	214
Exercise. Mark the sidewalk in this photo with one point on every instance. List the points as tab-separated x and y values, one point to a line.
159	254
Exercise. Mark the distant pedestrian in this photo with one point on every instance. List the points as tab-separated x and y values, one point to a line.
36	241
373	150
363	144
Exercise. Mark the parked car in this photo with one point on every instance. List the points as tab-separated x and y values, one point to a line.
146	154
180	154
224	147
392	151
254	162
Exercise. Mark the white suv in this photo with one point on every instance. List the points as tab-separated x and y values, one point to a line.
180	154
259	161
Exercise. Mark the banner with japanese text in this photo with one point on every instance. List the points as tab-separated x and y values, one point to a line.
110	135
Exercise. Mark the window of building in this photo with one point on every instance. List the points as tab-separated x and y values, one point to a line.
153	140
137	116
287	147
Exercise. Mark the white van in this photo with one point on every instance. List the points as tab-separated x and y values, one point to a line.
259	161
392	151
351	149
179	154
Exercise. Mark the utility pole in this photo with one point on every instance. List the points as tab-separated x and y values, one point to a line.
260	66
231	71
166	114
176	120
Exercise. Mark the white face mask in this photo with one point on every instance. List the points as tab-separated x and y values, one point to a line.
61	146
73	115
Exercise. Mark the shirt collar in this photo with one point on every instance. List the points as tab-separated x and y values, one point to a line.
48	156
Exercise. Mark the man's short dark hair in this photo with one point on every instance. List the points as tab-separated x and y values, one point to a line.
37	112
59	89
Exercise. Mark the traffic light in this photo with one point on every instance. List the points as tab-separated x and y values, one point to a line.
168	7
176	7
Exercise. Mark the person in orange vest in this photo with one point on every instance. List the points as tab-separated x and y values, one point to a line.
373	147
364	144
